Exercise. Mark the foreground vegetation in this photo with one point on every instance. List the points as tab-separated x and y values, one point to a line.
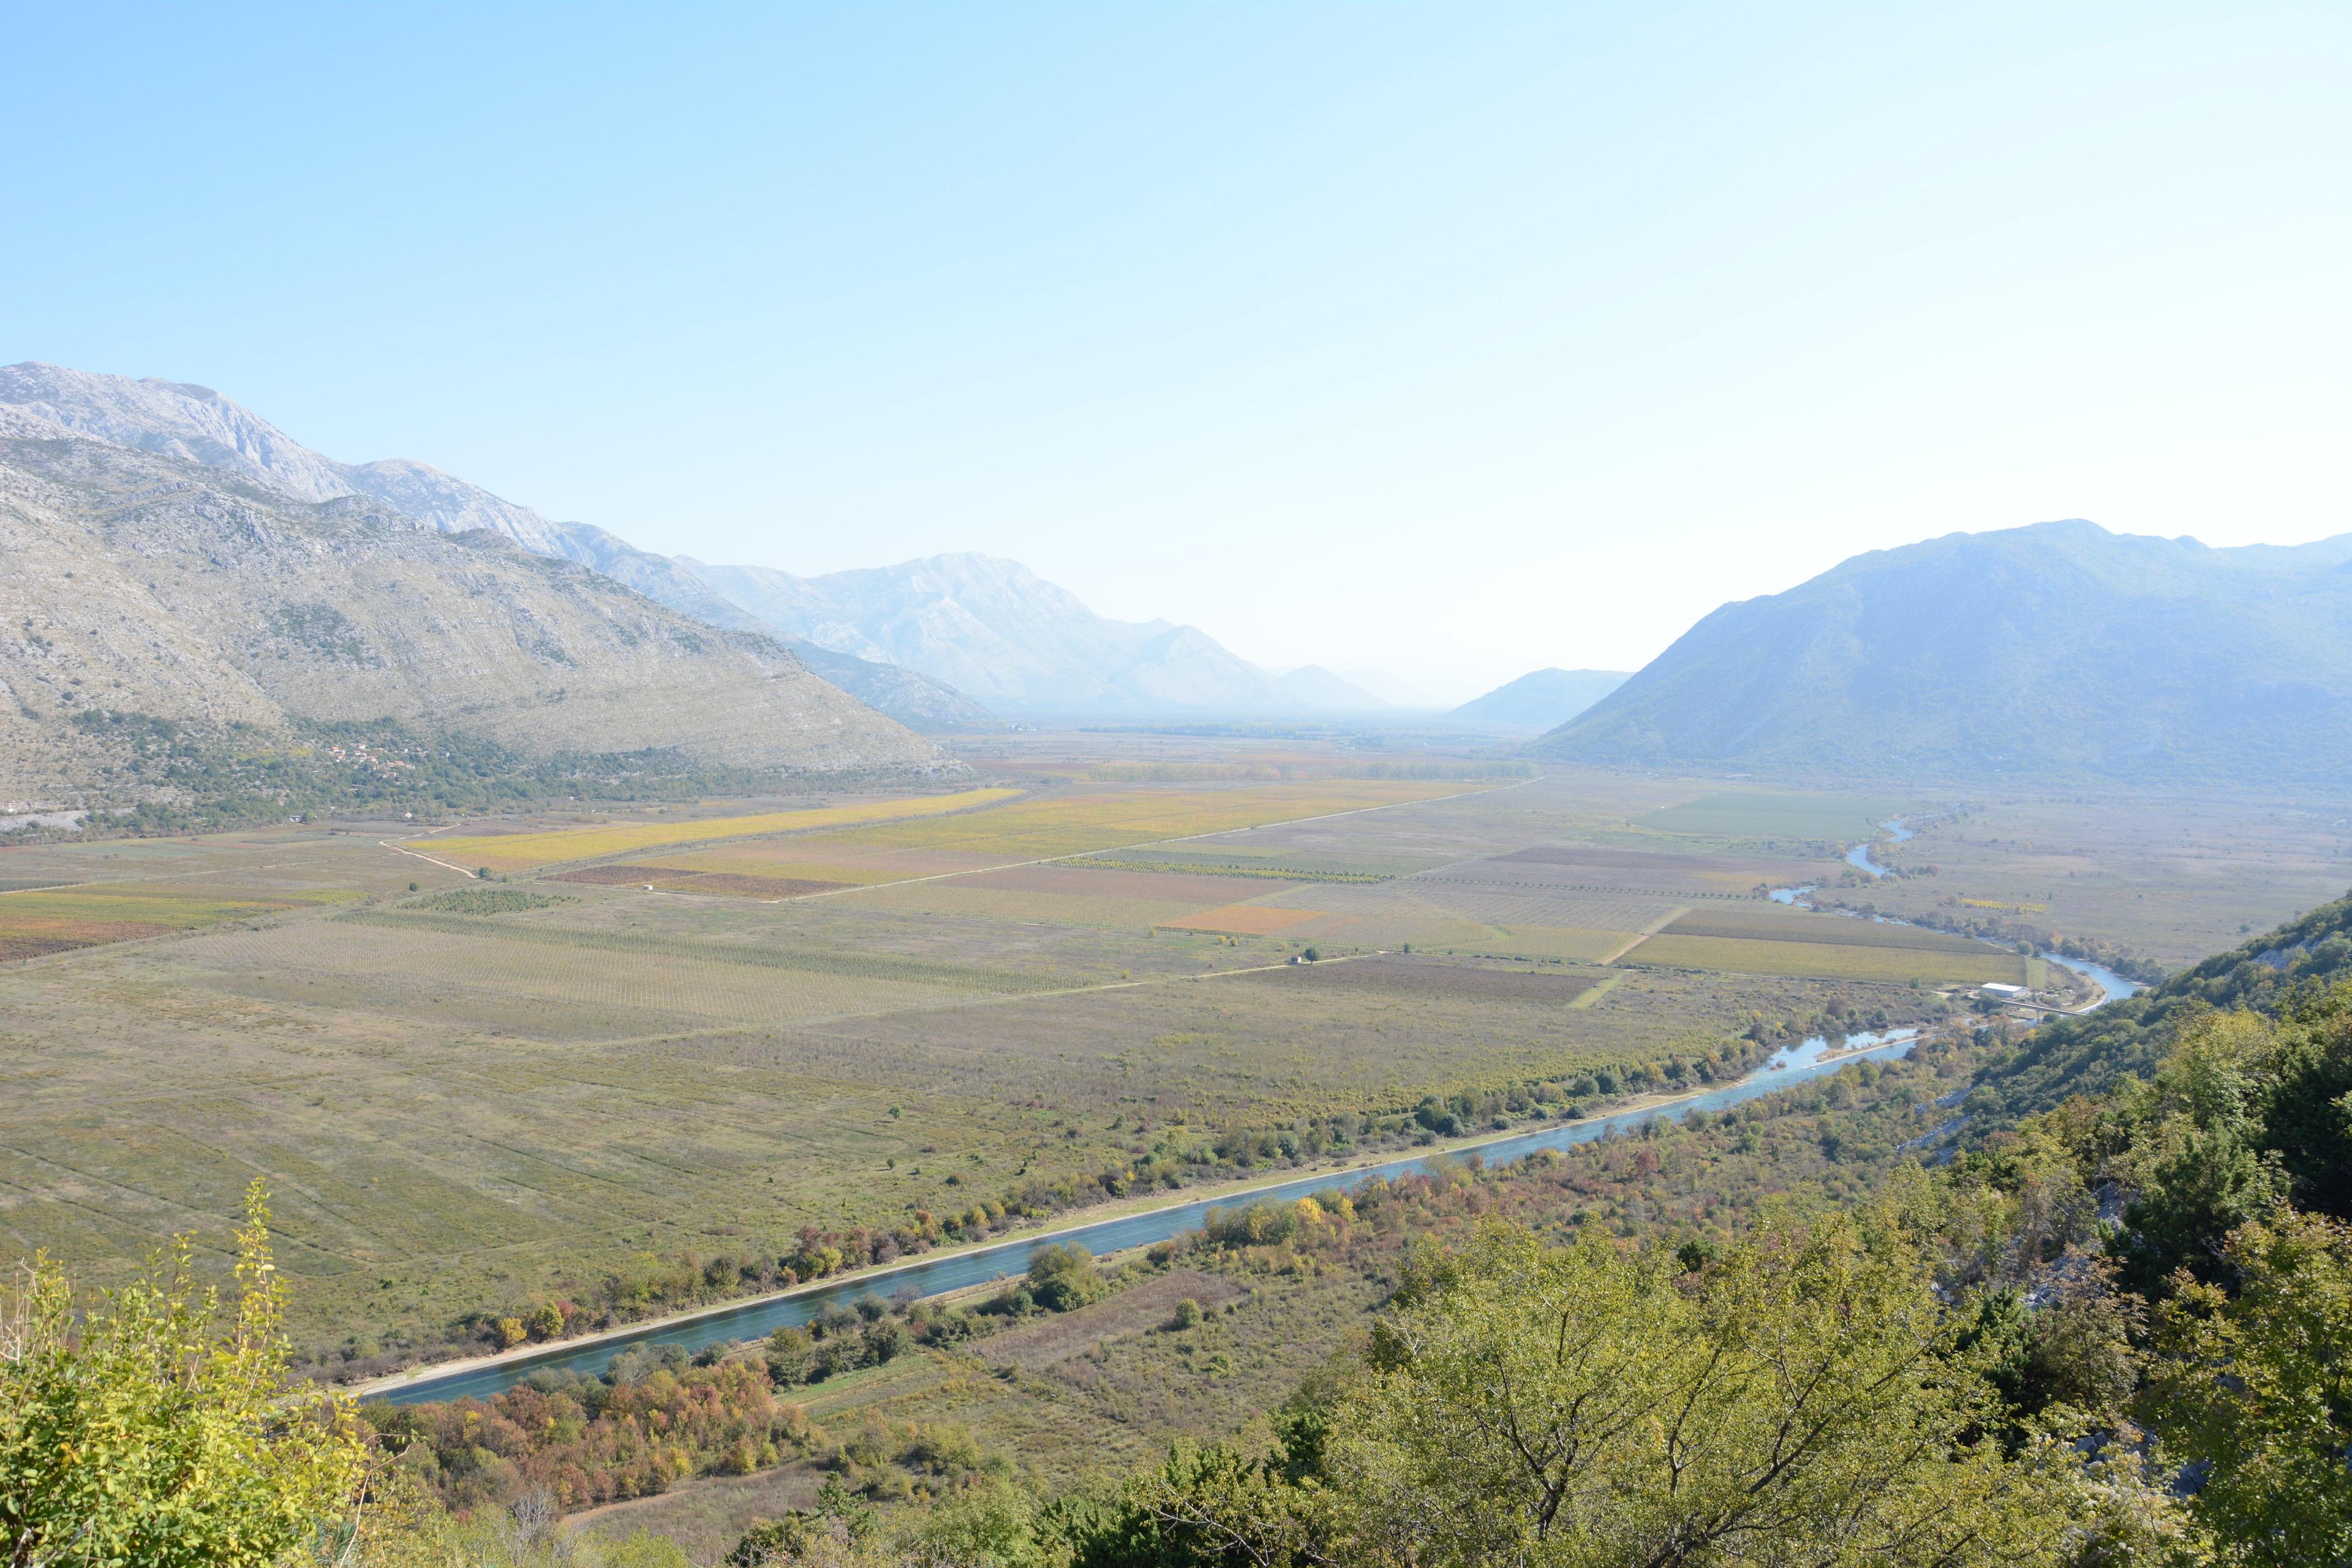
1969	1367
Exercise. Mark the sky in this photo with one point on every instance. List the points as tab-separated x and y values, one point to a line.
1448	342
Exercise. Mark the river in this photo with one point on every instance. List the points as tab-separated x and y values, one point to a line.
2114	985
1859	855
937	1276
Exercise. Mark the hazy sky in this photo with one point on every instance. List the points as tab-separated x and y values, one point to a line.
1454	340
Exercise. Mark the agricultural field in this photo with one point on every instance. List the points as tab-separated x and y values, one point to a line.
699	1031
520	851
1769	817
1769	941
2170	878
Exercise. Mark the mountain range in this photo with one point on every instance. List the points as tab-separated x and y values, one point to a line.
2056	651
198	425
144	582
991	627
919	641
1539	701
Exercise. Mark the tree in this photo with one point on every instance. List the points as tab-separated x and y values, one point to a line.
2256	1392
787	1355
1063	1276
140	1437
1799	1403
2307	1106
2195	1155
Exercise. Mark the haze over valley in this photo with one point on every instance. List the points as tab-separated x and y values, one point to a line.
1304	788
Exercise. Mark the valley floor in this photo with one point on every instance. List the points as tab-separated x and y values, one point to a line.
484	1095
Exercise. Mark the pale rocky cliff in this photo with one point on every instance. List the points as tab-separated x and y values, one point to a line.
198	424
149	580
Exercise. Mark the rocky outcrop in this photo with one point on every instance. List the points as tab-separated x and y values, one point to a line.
152	582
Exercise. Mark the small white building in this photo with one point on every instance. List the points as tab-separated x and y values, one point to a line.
2003	990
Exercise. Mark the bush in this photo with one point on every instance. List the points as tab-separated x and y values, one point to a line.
1063	1277
136	1435
787	1355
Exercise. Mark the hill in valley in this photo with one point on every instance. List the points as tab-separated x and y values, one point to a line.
2058	651
152	584
993	629
1539	701
198	425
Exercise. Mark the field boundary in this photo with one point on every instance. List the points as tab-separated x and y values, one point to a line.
1646	933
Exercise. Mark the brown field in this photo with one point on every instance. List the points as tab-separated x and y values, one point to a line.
1830	961
1758	925
1599	864
964	899
681	879
1420	976
1092	882
1245	920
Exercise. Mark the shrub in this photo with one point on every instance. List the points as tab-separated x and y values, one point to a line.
1062	1278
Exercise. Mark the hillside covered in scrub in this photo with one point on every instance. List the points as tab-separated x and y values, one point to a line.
2087	1055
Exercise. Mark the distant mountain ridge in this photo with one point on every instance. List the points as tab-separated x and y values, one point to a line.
1538	701
198	425
2054	651
147	583
991	627
919	641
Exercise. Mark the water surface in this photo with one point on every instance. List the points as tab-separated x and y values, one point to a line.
1859	855
937	1276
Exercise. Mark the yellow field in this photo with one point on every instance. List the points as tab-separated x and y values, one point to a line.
1079	824
1826	961
521	851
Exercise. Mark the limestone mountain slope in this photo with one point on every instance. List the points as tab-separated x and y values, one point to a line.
2059	651
198	424
991	627
152	582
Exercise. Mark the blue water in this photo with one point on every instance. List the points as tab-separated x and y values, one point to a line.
2116	986
1859	855
937	1276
